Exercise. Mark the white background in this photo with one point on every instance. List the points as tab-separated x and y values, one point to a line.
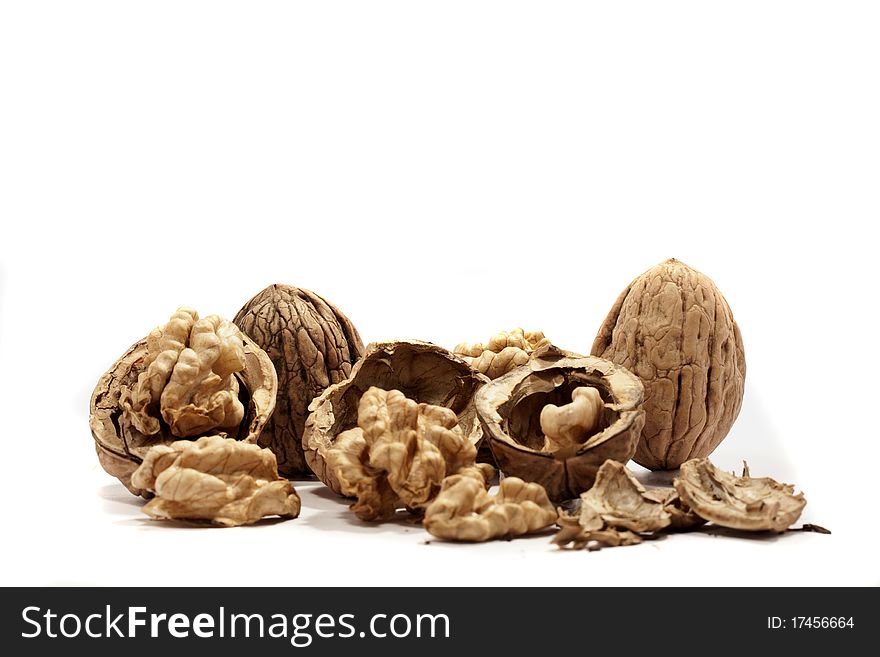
440	171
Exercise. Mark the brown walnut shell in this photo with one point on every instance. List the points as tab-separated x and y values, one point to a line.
312	345
422	371
509	409
673	329
121	447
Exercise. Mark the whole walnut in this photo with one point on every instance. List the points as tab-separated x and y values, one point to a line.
674	329
312	346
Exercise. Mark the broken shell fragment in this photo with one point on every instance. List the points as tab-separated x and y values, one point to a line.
622	502
616	511
464	510
747	503
510	409
217	479
681	517
573	535
421	371
188	377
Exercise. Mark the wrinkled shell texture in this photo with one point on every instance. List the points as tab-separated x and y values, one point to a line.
312	346
573	535
464	510
620	501
217	479
130	394
423	372
674	329
510	408
503	352
618	511
747	503
399	454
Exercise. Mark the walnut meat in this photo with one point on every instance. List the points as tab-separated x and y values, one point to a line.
217	479
312	346
510	410
190	377
567	427
464	510
743	502
398	455
503	352
674	329
423	372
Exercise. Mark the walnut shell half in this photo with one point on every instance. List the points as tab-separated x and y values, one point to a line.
510	407
121	447
422	371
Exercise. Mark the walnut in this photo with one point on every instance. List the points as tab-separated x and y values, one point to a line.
398	454
193	376
738	502
214	478
503	352
188	377
312	346
510	409
423	372
674	329
464	510
569	426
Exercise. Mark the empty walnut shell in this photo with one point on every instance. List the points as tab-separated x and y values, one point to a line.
312	345
422	371
509	409
121	447
673	329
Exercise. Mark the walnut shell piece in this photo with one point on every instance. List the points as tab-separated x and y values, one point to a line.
399	454
312	345
509	409
218	479
423	372
128	397
673	328
617	511
621	502
573	535
464	510
682	518
747	503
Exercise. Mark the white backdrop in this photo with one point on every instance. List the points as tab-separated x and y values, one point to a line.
440	171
